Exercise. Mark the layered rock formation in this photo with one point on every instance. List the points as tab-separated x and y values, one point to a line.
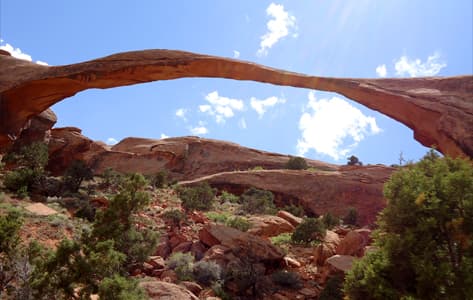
184	158
439	110
318	192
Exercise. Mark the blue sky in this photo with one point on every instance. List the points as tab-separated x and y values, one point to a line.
341	38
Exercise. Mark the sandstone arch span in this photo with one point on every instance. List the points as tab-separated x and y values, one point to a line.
438	109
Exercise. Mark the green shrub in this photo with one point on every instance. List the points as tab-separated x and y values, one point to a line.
309	230
20	179
207	272
296	163
354	161
120	288
229	197
182	264
282	239
351	218
333	289
287	279
112	178
86	212
424	246
330	220
218	217
239	223
77	172
200	197
296	210
117	222
159	180
255	201
174	216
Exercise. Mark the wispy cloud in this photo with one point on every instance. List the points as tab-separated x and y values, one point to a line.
333	127
405	66
381	70
242	123
111	141
181	113
279	26
261	106
199	130
16	52
236	54
221	107
164	136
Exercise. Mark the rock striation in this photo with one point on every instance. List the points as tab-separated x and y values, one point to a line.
439	110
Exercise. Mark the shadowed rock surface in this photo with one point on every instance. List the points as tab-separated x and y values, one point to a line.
439	110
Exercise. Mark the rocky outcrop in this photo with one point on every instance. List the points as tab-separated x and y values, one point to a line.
318	192
269	226
439	110
163	290
184	158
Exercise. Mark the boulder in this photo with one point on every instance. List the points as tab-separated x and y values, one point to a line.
341	262
269	226
295	221
326	248
243	244
352	244
161	290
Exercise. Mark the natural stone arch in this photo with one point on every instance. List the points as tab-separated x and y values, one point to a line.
438	109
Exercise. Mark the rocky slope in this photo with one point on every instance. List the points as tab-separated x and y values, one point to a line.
439	110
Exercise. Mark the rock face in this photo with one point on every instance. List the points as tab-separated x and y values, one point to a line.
439	110
184	158
318	192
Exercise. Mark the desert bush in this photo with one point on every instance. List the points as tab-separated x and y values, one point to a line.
255	201
20	181
282	239
159	180
239	223
219	217
77	172
354	161
112	178
287	279
182	264
424	248
207	272
120	288
333	289
351	218
296	210
296	163
200	197
174	216
86	211
229	197
330	220
308	231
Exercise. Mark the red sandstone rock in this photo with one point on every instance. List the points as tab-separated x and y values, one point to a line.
327	248
295	221
269	226
352	244
439	110
163	290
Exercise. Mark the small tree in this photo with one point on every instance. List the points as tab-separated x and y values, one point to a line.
77	172
200	197
160	179
296	163
255	201
309	230
330	220
351	218
354	161
424	242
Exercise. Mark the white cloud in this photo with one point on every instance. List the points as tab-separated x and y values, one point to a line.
164	136
279	26
333	127
381	70
236	54
242	123
261	106
111	141
221	107
16	52
181	113
415	67
199	130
